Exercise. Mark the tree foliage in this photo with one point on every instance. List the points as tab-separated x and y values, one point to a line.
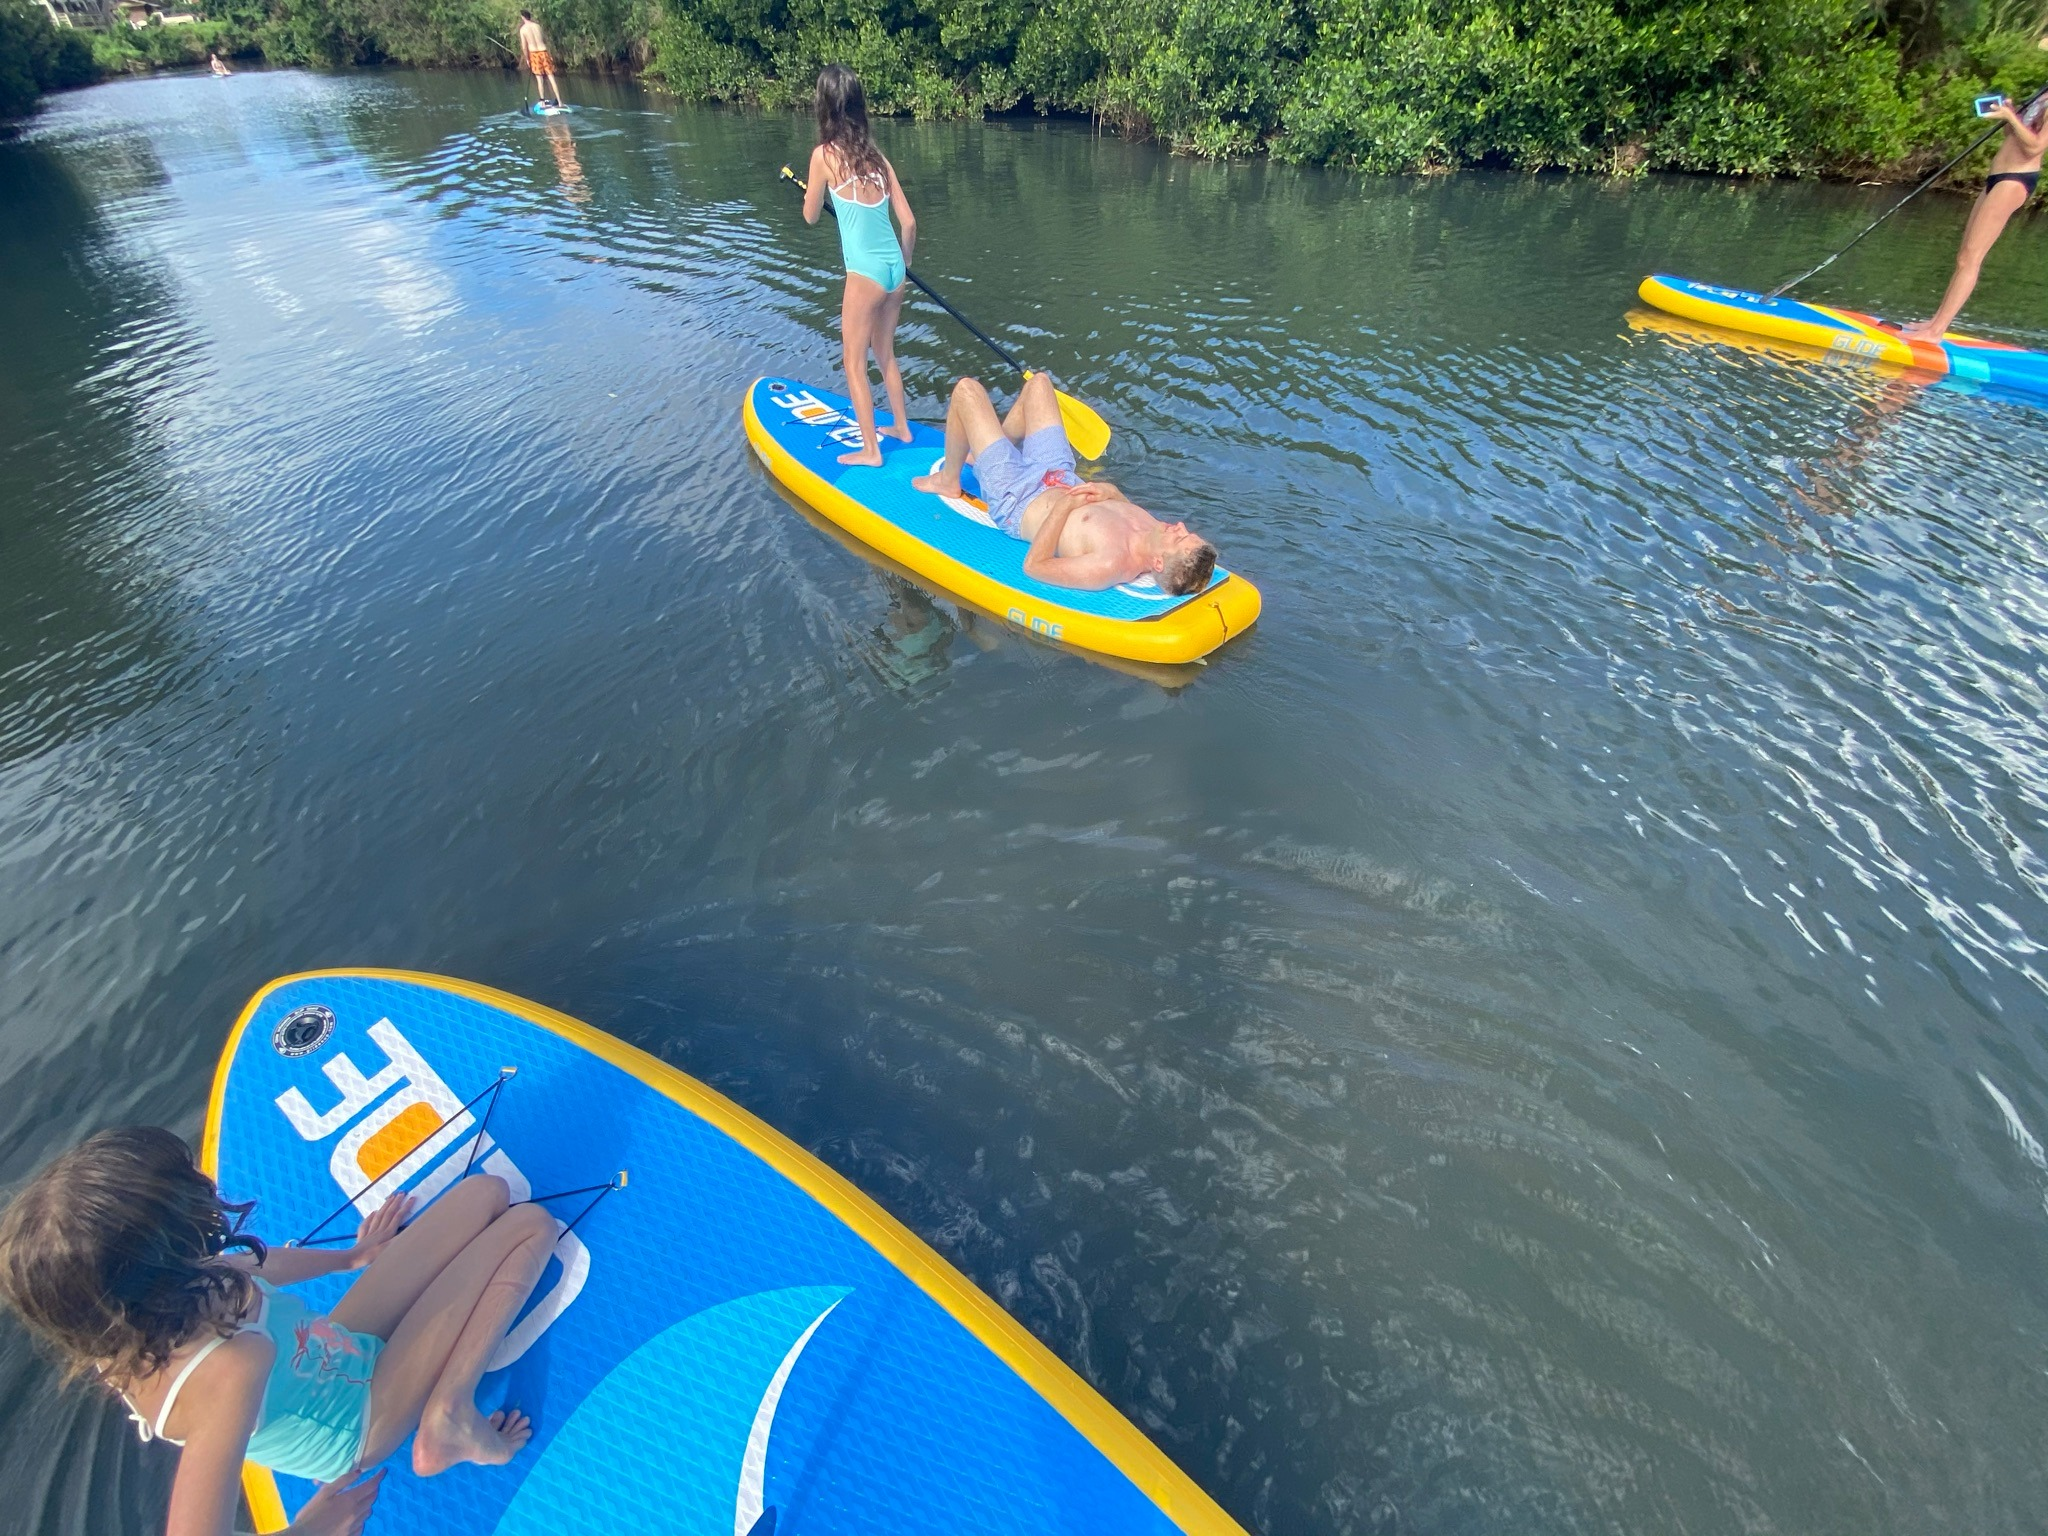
1729	86
37	56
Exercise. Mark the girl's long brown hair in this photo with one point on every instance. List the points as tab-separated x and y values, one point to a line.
111	1254
843	122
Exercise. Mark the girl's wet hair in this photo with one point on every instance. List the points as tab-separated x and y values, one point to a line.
111	1254
843	121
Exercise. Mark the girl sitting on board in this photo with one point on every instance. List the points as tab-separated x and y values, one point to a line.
2014	171
863	187
118	1257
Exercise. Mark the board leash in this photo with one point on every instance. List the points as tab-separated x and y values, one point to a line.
1978	143
616	1181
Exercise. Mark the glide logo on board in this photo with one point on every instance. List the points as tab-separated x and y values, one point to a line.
402	1122
810	410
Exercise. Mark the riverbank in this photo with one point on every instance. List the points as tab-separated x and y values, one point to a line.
1791	87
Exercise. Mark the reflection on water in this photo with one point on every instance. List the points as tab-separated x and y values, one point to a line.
1542	1034
567	167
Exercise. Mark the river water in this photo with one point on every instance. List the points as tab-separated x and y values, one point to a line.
1543	1034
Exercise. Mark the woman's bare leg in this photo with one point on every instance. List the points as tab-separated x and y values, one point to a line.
399	1275
884	343
426	1377
857	315
1987	222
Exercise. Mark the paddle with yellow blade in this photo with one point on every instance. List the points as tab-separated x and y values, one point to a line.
1086	429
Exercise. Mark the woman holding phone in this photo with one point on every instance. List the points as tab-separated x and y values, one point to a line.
2014	171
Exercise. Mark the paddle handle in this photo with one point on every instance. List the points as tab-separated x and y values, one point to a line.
933	294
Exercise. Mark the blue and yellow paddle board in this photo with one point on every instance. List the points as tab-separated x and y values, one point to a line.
737	1342
800	430
1848	333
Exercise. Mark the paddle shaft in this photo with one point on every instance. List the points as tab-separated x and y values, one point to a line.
934	295
1978	143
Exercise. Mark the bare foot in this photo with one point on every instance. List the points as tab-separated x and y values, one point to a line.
902	433
869	456
938	483
448	1439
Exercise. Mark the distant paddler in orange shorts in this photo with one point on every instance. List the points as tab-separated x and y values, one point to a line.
534	47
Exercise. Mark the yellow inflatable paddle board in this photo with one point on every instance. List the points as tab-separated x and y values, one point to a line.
800	430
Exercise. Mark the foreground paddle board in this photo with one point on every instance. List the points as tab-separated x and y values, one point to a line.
737	1341
1848	333
800	430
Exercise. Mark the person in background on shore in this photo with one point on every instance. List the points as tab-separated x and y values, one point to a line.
863	187
2014	171
217	64
533	47
128	1265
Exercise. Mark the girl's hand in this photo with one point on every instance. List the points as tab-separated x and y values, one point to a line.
337	1509
379	1228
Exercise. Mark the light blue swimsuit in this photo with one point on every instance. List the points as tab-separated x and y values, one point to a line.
866	237
316	1405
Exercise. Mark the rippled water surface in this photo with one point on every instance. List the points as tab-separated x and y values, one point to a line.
1543	1034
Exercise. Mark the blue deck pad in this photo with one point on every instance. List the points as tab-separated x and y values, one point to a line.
816	425
709	1347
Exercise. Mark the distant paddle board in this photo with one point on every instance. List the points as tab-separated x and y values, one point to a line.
736	1341
800	430
545	109
1848	333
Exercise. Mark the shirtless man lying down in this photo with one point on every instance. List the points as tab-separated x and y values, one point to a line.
1083	534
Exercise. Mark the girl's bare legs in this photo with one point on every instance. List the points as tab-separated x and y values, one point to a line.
884	342
1987	222
857	318
398	1276
426	1377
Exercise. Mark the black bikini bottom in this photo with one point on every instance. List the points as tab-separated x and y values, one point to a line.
2024	178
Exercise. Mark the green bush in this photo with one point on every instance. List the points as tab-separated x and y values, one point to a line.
38	56
1731	87
138	50
1384	85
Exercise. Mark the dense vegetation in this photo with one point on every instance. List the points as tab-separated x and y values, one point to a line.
1736	86
36	57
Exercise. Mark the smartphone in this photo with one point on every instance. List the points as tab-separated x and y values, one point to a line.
1986	105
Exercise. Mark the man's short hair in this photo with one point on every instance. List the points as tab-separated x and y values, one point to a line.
1188	570
526	15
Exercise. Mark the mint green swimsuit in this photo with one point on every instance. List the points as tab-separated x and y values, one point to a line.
316	1404
867	240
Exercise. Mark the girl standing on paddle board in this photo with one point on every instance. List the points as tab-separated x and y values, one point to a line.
117	1257
863	187
2014	171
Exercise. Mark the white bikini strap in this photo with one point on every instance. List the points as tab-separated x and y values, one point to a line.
859	179
178	1381
149	1431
